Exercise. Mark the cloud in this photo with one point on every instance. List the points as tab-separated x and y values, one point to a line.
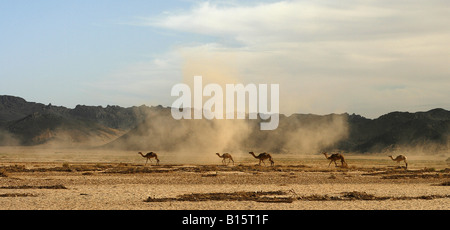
294	21
328	56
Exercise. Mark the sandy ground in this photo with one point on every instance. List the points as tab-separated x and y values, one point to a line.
68	183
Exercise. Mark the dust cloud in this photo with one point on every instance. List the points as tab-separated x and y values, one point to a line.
7	139
296	133
423	149
189	137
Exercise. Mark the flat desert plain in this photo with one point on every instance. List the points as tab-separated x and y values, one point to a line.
93	179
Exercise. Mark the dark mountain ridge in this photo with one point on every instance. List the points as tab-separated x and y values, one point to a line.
30	123
143	127
14	108
429	129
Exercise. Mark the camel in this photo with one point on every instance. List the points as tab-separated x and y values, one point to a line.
334	157
262	157
226	156
400	158
149	156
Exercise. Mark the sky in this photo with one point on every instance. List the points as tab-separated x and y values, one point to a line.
364	57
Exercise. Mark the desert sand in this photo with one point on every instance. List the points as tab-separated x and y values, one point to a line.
77	179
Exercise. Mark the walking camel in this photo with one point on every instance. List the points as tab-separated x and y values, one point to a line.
400	158
149	156
262	157
334	157
226	156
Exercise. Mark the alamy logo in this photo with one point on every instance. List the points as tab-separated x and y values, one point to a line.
258	103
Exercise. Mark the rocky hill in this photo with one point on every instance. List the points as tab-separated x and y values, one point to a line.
153	128
30	123
423	131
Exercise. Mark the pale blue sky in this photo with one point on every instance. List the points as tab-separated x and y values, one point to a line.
51	49
364	57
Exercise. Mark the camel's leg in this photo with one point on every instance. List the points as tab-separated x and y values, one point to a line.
231	160
146	162
330	163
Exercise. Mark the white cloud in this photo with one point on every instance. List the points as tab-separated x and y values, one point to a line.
327	56
301	21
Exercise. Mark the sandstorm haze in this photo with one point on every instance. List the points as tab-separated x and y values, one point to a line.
144	128
306	135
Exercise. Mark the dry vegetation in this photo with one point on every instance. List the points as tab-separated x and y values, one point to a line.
259	196
293	183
